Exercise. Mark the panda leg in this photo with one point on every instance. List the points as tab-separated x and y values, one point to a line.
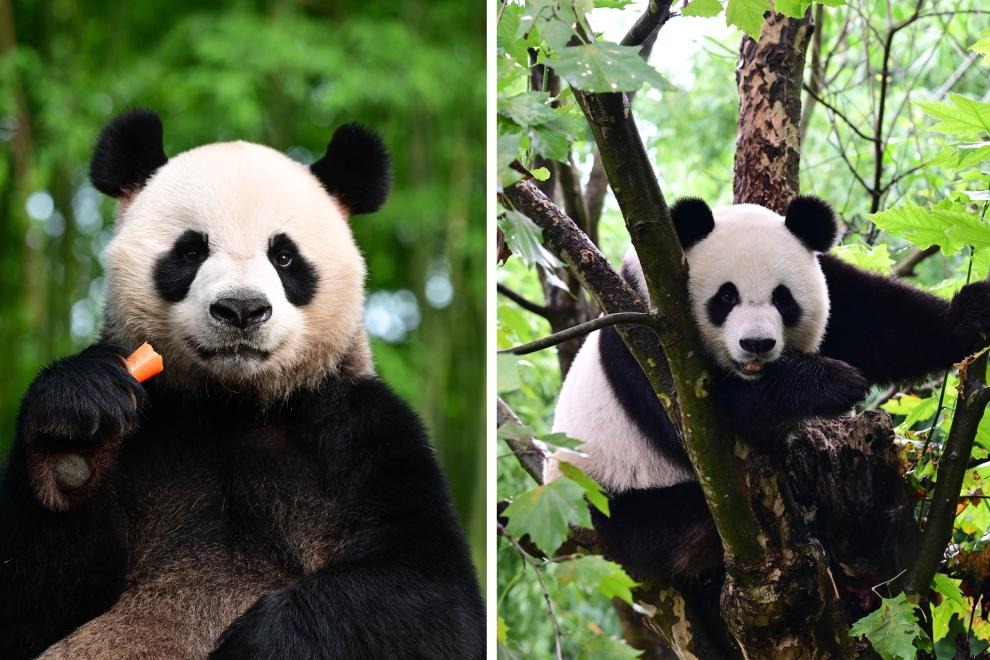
373	609
663	534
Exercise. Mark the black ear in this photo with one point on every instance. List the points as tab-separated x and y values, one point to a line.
128	152
355	169
813	222
693	220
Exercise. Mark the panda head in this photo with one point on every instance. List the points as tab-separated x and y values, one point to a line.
754	280
233	260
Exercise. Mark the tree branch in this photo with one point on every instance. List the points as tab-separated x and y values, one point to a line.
974	395
528	305
586	328
530	455
906	267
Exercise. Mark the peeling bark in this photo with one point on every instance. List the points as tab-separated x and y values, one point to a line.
768	145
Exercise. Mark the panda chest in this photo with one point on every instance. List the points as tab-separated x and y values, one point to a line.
242	492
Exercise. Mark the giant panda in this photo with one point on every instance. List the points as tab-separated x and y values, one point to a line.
267	496
791	332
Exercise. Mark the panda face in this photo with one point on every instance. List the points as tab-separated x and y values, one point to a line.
235	263
756	289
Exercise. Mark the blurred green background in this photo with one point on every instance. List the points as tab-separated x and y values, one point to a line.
283	74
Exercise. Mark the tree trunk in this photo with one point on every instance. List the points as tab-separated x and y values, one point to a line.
768	145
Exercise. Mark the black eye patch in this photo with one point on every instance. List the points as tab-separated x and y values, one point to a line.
722	303
176	269
298	276
790	310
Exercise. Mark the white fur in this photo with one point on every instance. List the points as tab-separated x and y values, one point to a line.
589	411
239	195
751	247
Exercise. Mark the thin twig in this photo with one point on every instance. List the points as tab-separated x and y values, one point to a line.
582	329
528	305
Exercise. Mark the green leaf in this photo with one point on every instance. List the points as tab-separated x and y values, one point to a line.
501	631
604	66
596	572
793	8
508	373
983	48
524	238
893	629
602	647
547	512
527	109
703	8
952	604
915	224
508	151
959	115
747	15
560	440
592	489
612	4
875	258
965	227
541	174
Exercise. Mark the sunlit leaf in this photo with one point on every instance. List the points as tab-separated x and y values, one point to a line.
596	572
546	513
747	15
602	647
793	8
704	8
592	489
959	115
876	258
604	66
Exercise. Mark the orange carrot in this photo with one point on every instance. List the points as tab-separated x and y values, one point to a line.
144	363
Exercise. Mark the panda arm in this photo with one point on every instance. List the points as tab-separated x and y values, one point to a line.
893	332
403	584
62	564
796	387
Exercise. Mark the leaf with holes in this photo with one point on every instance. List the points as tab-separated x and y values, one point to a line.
604	66
546	513
747	15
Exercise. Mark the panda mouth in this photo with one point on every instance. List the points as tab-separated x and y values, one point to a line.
750	368
233	351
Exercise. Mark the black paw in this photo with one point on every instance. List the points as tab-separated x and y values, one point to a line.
843	386
73	418
969	314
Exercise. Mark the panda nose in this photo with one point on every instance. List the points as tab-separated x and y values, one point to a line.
757	345
241	313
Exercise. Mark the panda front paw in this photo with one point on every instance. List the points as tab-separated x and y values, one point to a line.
969	314
843	386
72	420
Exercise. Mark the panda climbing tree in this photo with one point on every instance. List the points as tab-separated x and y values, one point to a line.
702	416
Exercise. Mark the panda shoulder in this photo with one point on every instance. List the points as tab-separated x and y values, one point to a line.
366	420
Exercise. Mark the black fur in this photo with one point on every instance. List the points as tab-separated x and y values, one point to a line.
893	332
879	331
813	222
399	581
721	304
128	151
790	310
299	278
355	169
693	220
176	269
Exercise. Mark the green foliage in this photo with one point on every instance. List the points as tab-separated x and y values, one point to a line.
606	577
604	67
893	629
546	513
